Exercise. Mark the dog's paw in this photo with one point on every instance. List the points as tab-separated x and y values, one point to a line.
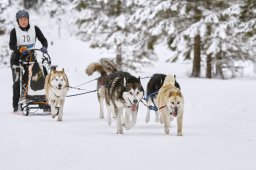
179	134
101	116
147	119
59	119
53	115
120	132
127	127
167	131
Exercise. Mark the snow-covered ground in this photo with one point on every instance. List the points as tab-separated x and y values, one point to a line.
219	124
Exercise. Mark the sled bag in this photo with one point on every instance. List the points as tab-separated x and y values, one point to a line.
37	78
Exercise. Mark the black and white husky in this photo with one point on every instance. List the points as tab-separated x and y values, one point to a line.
123	93
155	83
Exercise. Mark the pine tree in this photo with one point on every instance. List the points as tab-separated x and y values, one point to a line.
248	29
4	48
110	25
248	10
217	39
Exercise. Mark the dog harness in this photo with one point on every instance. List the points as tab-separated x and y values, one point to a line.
151	96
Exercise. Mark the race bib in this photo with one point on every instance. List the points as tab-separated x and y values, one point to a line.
26	38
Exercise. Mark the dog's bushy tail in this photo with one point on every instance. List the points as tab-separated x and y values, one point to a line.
169	79
108	65
91	68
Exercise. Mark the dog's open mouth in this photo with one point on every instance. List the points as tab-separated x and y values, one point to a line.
59	88
134	107
174	113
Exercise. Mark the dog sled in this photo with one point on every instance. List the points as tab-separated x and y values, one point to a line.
33	69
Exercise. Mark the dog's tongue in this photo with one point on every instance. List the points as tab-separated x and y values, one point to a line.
134	107
174	114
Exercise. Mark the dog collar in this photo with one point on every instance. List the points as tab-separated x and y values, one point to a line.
162	107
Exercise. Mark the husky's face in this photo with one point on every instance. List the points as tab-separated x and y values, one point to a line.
58	80
133	94
174	102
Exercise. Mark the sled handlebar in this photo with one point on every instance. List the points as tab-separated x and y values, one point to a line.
45	58
36	49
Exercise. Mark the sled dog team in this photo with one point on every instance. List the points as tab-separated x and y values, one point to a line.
122	93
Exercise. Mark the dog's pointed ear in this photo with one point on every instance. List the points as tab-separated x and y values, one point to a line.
53	68
124	82
63	70
174	76
139	78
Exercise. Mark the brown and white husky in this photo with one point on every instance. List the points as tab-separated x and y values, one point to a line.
170	103
56	88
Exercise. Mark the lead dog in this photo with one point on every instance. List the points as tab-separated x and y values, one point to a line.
123	92
105	66
170	103
56	87
155	83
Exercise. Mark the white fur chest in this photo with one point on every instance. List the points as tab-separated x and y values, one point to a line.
55	94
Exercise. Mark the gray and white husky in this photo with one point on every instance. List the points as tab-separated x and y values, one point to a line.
123	93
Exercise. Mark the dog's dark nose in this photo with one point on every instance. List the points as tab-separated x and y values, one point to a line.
176	109
135	101
59	86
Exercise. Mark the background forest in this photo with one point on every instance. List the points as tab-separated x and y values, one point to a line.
216	37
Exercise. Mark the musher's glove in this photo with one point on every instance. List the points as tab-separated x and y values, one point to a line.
23	50
43	50
24	53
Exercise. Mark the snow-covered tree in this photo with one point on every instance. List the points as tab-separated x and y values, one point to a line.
205	32
195	24
4	26
110	24
30	3
247	28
